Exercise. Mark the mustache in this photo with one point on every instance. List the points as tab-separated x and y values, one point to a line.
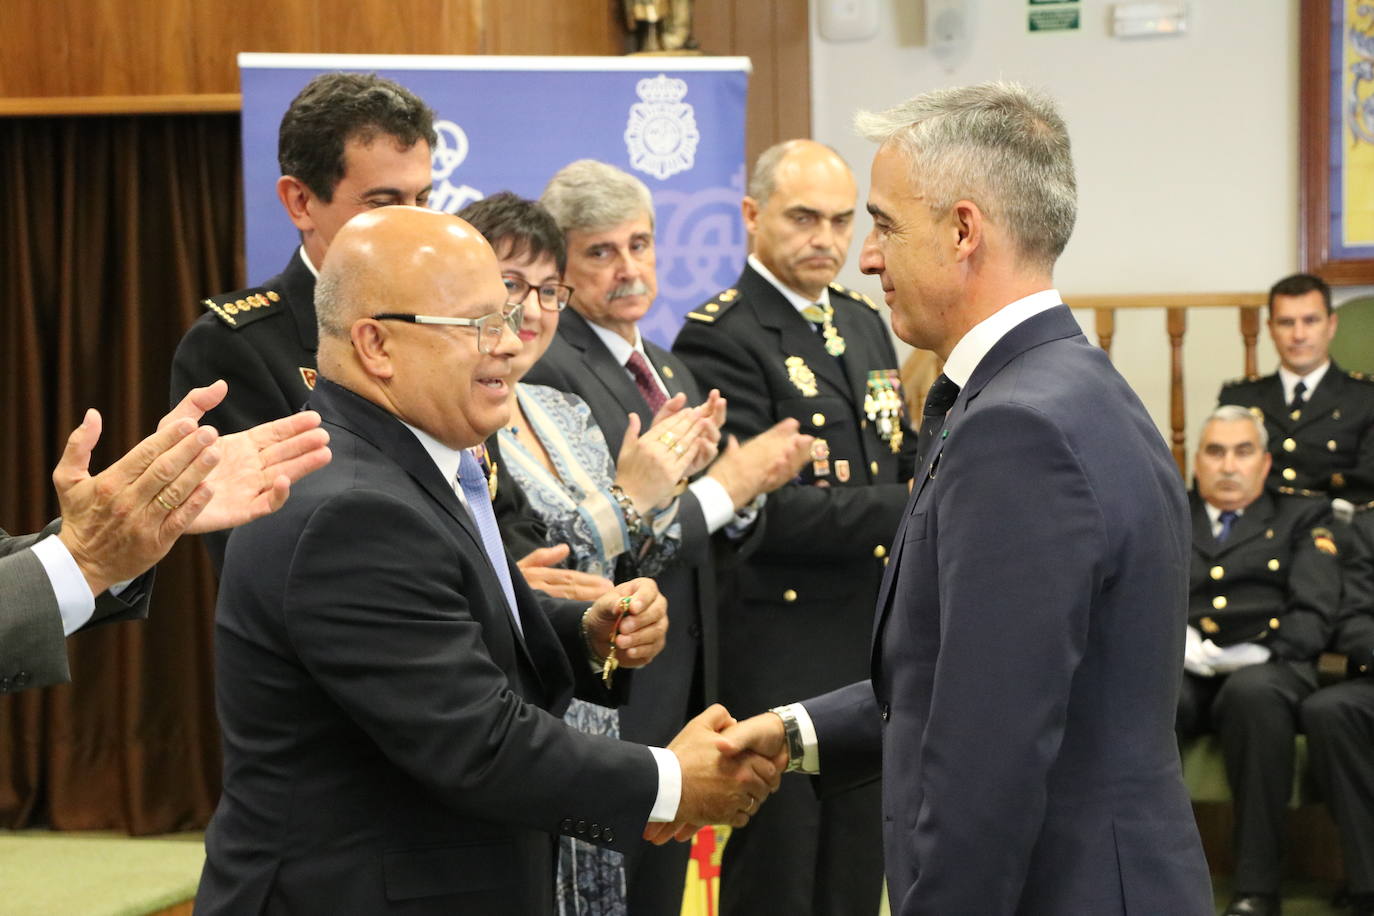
637	288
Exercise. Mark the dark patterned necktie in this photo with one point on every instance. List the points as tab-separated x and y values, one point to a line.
1227	519
1299	390
939	400
645	381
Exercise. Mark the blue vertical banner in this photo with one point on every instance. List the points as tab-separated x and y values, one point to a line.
509	123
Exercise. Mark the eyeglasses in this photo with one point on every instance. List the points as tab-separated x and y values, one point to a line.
553	297
489	327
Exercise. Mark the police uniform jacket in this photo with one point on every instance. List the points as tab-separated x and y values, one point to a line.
807	589
1354	631
1327	446
1276	580
262	341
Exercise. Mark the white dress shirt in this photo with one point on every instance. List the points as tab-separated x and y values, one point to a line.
1289	379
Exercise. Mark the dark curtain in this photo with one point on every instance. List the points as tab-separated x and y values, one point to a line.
114	228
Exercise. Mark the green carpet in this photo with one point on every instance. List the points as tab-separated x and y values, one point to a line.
96	874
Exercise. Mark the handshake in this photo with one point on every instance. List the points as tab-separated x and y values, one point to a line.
728	769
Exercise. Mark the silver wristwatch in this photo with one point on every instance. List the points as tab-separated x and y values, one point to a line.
796	749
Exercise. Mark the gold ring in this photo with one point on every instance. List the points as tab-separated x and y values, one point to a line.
625	604
667	439
163	503
679	449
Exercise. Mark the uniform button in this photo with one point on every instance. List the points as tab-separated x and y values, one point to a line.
885	711
818	419
1289	445
1219	602
1330	445
790	595
1273	623
1274	565
863	424
581	828
1290	474
595	832
566	825
880	551
1218	572
873	466
694	630
608	835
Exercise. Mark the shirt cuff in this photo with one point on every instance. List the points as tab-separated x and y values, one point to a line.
717	508
669	786
74	599
811	755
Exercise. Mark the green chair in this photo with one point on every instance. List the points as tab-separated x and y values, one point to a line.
1353	346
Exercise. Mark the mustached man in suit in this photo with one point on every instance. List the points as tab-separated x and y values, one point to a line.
388	687
607	219
1028	642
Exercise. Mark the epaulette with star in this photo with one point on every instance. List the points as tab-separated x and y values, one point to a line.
1239	380
1361	377
245	306
855	295
708	312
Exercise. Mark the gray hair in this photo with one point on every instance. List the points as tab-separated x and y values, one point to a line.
334	305
1000	145
591	195
1230	413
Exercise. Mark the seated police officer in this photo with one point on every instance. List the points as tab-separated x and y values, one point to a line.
1339	721
1263	587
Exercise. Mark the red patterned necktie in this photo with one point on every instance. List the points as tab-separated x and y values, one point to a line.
645	381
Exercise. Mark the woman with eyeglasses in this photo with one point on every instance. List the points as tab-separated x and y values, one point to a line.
618	518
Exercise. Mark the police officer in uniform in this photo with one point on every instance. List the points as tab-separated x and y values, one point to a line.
347	143
797	612
1320	418
1264	587
1339	720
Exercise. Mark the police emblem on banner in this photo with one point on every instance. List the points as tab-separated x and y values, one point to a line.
661	135
449	152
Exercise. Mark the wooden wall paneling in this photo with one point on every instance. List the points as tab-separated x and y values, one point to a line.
541	27
792	102
221	31
409	27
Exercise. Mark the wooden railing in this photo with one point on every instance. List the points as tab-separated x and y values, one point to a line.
922	367
1176	306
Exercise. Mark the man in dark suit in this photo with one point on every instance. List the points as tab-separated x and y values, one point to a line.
1320	418
349	142
93	565
1264	585
786	341
1029	639
1339	722
607	218
387	685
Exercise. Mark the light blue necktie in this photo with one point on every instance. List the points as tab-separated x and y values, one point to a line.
474	484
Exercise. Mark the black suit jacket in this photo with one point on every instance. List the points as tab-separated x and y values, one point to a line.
807	588
392	743
262	341
1328	447
577	361
1028	651
1276	579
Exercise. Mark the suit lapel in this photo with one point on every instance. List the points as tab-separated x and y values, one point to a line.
391	437
602	365
1324	398
1252	523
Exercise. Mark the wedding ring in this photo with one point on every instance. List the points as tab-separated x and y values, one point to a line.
679	449
163	503
667	439
750	806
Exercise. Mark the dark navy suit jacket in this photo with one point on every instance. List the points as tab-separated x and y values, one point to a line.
1027	653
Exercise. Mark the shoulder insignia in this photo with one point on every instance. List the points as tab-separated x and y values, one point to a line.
1325	541
245	306
1302	492
1239	380
1361	376
709	311
855	295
